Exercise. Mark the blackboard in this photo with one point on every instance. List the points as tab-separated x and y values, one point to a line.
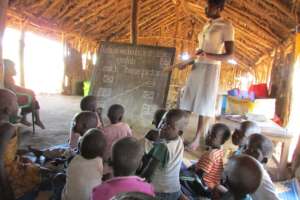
131	75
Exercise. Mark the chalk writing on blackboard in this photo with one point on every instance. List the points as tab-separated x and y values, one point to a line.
109	68
132	76
104	92
108	78
149	95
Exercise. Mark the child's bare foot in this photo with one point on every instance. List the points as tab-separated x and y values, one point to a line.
40	124
25	122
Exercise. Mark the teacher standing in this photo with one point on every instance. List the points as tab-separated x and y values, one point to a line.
216	44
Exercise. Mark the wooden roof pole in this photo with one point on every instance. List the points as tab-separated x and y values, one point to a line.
21	55
134	24
3	7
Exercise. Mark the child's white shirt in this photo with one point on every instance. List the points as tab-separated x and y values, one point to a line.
166	180
82	176
266	189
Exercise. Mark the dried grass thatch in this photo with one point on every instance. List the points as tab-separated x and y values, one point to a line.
260	25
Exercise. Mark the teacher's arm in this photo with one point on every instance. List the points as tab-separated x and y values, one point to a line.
181	65
229	49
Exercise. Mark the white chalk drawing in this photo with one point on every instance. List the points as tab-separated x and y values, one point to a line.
150	72
104	92
108	78
164	61
150	83
109	68
149	95
148	109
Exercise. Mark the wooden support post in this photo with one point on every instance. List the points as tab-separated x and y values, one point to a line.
22	65
134	24
3	7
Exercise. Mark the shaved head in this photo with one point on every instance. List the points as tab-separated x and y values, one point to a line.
243	175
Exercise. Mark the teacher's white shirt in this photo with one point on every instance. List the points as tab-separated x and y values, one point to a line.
213	36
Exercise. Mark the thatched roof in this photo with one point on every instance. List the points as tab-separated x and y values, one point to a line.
260	25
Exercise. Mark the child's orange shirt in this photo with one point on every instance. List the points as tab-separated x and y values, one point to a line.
211	163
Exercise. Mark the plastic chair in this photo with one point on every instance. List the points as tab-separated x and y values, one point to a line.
29	104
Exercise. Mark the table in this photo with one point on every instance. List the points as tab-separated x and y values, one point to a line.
274	132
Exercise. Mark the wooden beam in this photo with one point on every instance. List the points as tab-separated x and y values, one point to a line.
21	56
134	23
3	7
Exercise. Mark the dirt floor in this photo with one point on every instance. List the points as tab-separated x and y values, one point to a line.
56	113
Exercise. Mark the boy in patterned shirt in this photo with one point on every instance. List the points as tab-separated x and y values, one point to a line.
210	164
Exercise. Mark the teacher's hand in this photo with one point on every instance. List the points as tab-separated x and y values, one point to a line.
180	66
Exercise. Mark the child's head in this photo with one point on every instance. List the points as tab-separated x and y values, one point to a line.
127	155
84	121
93	144
8	104
243	175
173	124
158	115
133	196
115	113
246	129
217	136
9	68
259	147
88	103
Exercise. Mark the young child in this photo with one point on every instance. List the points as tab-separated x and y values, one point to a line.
153	135
6	191
166	156
113	132
126	158
210	164
260	148
88	103
85	170
240	135
243	177
23	178
82	122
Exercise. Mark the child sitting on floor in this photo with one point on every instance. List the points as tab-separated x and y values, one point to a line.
210	164
243	176
153	135
260	148
166	155
126	158
240	135
88	103
82	122
23	177
113	132
85	170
